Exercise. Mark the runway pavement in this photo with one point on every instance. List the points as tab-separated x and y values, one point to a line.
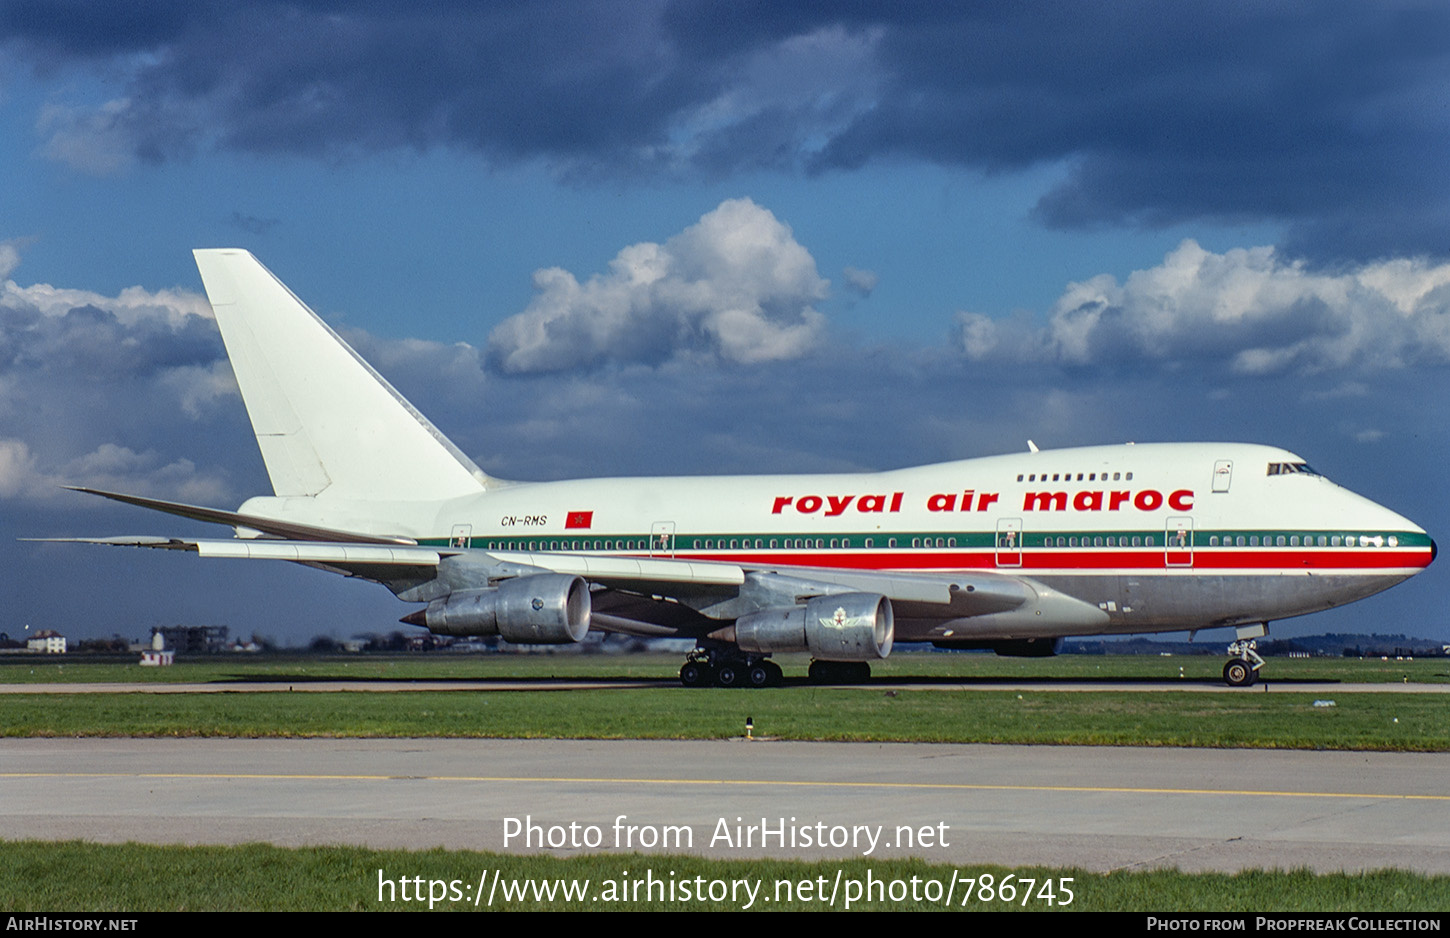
1096	808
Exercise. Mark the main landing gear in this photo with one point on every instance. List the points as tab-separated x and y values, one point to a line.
720	668
1242	670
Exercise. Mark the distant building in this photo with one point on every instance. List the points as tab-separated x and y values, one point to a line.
47	642
194	639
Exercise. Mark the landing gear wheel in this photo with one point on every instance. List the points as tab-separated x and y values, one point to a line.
695	674
1239	674
1243	668
776	675
728	675
758	675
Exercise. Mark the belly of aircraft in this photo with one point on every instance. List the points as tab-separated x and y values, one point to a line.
1140	603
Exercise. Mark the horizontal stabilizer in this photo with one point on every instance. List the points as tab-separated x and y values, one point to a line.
268	526
260	549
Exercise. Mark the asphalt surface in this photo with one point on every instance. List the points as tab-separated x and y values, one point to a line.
1096	808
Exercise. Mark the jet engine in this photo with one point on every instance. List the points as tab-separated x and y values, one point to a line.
840	627
542	609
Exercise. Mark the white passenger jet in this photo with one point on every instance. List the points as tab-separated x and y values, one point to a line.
1010	553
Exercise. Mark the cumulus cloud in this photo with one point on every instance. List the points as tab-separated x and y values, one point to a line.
93	140
736	286
861	282
110	467
95	388
9	258
1247	310
18	472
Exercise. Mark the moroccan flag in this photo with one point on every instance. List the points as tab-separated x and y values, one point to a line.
579	519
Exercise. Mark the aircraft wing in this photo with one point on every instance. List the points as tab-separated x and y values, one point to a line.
988	591
639	595
715	590
637	573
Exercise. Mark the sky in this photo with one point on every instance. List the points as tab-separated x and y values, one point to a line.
686	238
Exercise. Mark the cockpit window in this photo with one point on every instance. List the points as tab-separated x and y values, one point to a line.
1289	468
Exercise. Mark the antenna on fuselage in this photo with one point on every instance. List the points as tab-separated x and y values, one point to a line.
1031	447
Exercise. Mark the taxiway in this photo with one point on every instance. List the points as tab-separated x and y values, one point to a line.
1096	808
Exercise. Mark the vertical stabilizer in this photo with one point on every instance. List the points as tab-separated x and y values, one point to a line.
326	422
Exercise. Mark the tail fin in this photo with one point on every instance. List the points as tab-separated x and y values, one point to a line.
326	422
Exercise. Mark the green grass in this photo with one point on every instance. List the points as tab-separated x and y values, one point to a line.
78	877
1385	721
899	667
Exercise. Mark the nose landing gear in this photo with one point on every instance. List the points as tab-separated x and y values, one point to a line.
1244	669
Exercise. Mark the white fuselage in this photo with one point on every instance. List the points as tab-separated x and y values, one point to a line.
1158	536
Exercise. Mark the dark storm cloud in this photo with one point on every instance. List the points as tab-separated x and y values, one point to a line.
1164	113
1326	116
510	80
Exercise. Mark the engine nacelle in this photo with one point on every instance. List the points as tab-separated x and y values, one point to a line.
542	609
841	627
